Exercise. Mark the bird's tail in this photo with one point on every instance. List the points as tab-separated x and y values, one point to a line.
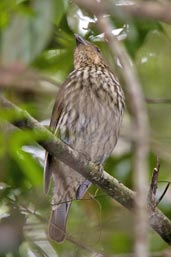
57	223
68	185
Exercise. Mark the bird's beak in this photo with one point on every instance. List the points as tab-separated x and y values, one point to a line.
80	40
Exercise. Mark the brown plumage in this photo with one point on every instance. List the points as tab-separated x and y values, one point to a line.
87	115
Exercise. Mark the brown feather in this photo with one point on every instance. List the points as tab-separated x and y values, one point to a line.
87	116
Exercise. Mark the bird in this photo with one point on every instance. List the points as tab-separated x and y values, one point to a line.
86	116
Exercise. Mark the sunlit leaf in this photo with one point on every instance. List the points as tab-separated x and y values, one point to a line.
30	166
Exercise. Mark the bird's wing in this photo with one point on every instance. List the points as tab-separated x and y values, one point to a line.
57	109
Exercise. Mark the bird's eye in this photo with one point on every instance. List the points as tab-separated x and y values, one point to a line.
97	49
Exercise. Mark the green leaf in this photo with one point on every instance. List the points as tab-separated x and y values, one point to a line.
29	166
27	35
60	9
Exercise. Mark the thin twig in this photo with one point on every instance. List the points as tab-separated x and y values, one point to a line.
163	194
151	10
23	79
154	180
158	100
141	9
43	221
153	186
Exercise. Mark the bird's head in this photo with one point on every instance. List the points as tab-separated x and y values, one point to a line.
86	53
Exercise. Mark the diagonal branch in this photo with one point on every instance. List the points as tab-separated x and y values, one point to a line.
158	221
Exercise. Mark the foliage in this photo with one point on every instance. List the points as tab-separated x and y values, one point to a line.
39	35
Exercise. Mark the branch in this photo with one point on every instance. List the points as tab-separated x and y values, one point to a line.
153	188
142	9
158	100
19	77
151	10
158	221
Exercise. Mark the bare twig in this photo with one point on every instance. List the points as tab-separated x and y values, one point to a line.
159	222
150	10
141	9
158	100
20	78
43	220
163	194
153	186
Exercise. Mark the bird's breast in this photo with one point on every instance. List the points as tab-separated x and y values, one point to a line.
90	122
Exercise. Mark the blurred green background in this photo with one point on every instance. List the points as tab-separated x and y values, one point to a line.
36	55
